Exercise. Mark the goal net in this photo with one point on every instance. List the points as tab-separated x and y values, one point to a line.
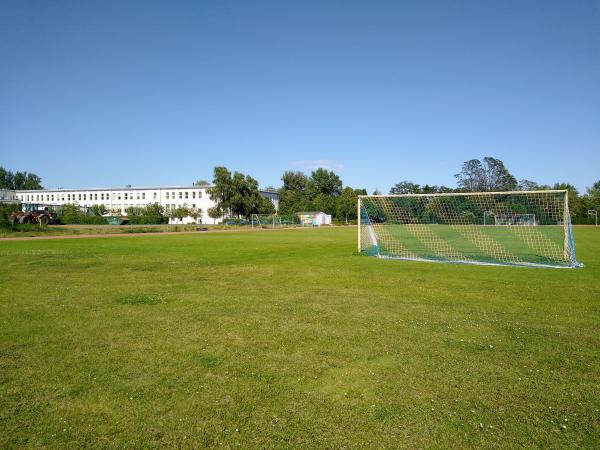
515	219
266	221
524	228
274	221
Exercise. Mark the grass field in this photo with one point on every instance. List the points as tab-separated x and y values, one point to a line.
291	339
66	230
488	244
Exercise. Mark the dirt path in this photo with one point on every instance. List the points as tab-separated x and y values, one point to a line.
153	233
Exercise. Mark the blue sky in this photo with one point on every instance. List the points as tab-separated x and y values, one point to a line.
147	93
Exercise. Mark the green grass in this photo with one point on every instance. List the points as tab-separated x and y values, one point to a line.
66	230
489	244
290	339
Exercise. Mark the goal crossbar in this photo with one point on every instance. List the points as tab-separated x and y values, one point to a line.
457	194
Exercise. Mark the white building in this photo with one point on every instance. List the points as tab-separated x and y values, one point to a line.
7	196
314	218
119	199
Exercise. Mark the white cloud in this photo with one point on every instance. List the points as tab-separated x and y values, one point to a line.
314	164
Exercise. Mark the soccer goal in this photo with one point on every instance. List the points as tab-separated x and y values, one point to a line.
266	221
274	221
527	220
521	228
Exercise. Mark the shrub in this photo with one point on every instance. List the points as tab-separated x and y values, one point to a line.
151	215
6	209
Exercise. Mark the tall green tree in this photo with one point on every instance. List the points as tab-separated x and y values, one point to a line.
489	175
405	187
19	180
220	193
293	194
323	181
346	204
498	178
527	185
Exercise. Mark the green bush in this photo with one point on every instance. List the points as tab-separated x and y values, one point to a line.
6	209
72	215
152	214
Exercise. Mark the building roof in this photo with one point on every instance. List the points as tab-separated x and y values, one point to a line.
118	188
270	194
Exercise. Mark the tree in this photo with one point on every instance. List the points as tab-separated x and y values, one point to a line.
180	213
323	181
346	204
594	190
71	214
293	195
324	203
498	178
32	181
376	192
405	187
19	180
195	213
528	185
489	175
472	176
201	183
214	213
220	193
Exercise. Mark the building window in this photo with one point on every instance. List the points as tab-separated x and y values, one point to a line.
180	197
119	196
154	195
199	194
125	196
186	195
167	196
173	195
143	196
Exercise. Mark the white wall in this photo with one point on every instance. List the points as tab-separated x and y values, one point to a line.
122	198
7	195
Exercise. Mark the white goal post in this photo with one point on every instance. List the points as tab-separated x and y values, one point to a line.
519	228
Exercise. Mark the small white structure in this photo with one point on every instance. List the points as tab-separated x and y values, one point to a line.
314	218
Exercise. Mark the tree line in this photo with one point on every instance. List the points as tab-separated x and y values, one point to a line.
19	180
237	195
492	175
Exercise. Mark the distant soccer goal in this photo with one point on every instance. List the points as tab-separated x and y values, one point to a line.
274	221
512	220
522	228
